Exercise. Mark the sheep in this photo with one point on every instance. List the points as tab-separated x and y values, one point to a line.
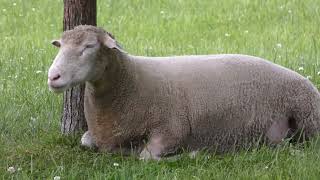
156	106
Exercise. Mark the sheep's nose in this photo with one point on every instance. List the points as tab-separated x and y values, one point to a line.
54	77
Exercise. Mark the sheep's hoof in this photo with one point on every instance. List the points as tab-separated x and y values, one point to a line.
146	155
87	140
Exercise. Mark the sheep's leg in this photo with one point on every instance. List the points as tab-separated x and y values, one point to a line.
278	131
118	146
87	140
126	151
166	140
158	147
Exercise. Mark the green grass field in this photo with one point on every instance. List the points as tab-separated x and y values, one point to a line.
284	31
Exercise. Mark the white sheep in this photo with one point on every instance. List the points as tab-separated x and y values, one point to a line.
156	106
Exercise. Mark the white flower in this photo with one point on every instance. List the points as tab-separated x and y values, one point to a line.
14	4
318	73
279	45
227	35
33	9
116	164
309	77
4	10
266	167
296	152
246	31
37	72
33	119
161	12
300	68
56	178
11	170
19	169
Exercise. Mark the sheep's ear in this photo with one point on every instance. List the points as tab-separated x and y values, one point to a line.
109	42
56	43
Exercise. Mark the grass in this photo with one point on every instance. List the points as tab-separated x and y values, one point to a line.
284	31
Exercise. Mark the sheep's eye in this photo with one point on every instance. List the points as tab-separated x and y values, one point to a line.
89	46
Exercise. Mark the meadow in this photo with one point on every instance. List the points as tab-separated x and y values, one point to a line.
286	32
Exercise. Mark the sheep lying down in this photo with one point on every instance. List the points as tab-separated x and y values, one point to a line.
156	106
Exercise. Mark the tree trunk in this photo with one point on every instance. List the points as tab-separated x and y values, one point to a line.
76	12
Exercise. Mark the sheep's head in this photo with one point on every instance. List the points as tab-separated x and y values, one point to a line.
78	59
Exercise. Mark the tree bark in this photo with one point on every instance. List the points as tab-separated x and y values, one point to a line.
76	12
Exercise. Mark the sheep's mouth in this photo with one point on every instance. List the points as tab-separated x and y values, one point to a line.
58	88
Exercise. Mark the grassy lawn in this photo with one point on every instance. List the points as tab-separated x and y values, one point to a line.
284	31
